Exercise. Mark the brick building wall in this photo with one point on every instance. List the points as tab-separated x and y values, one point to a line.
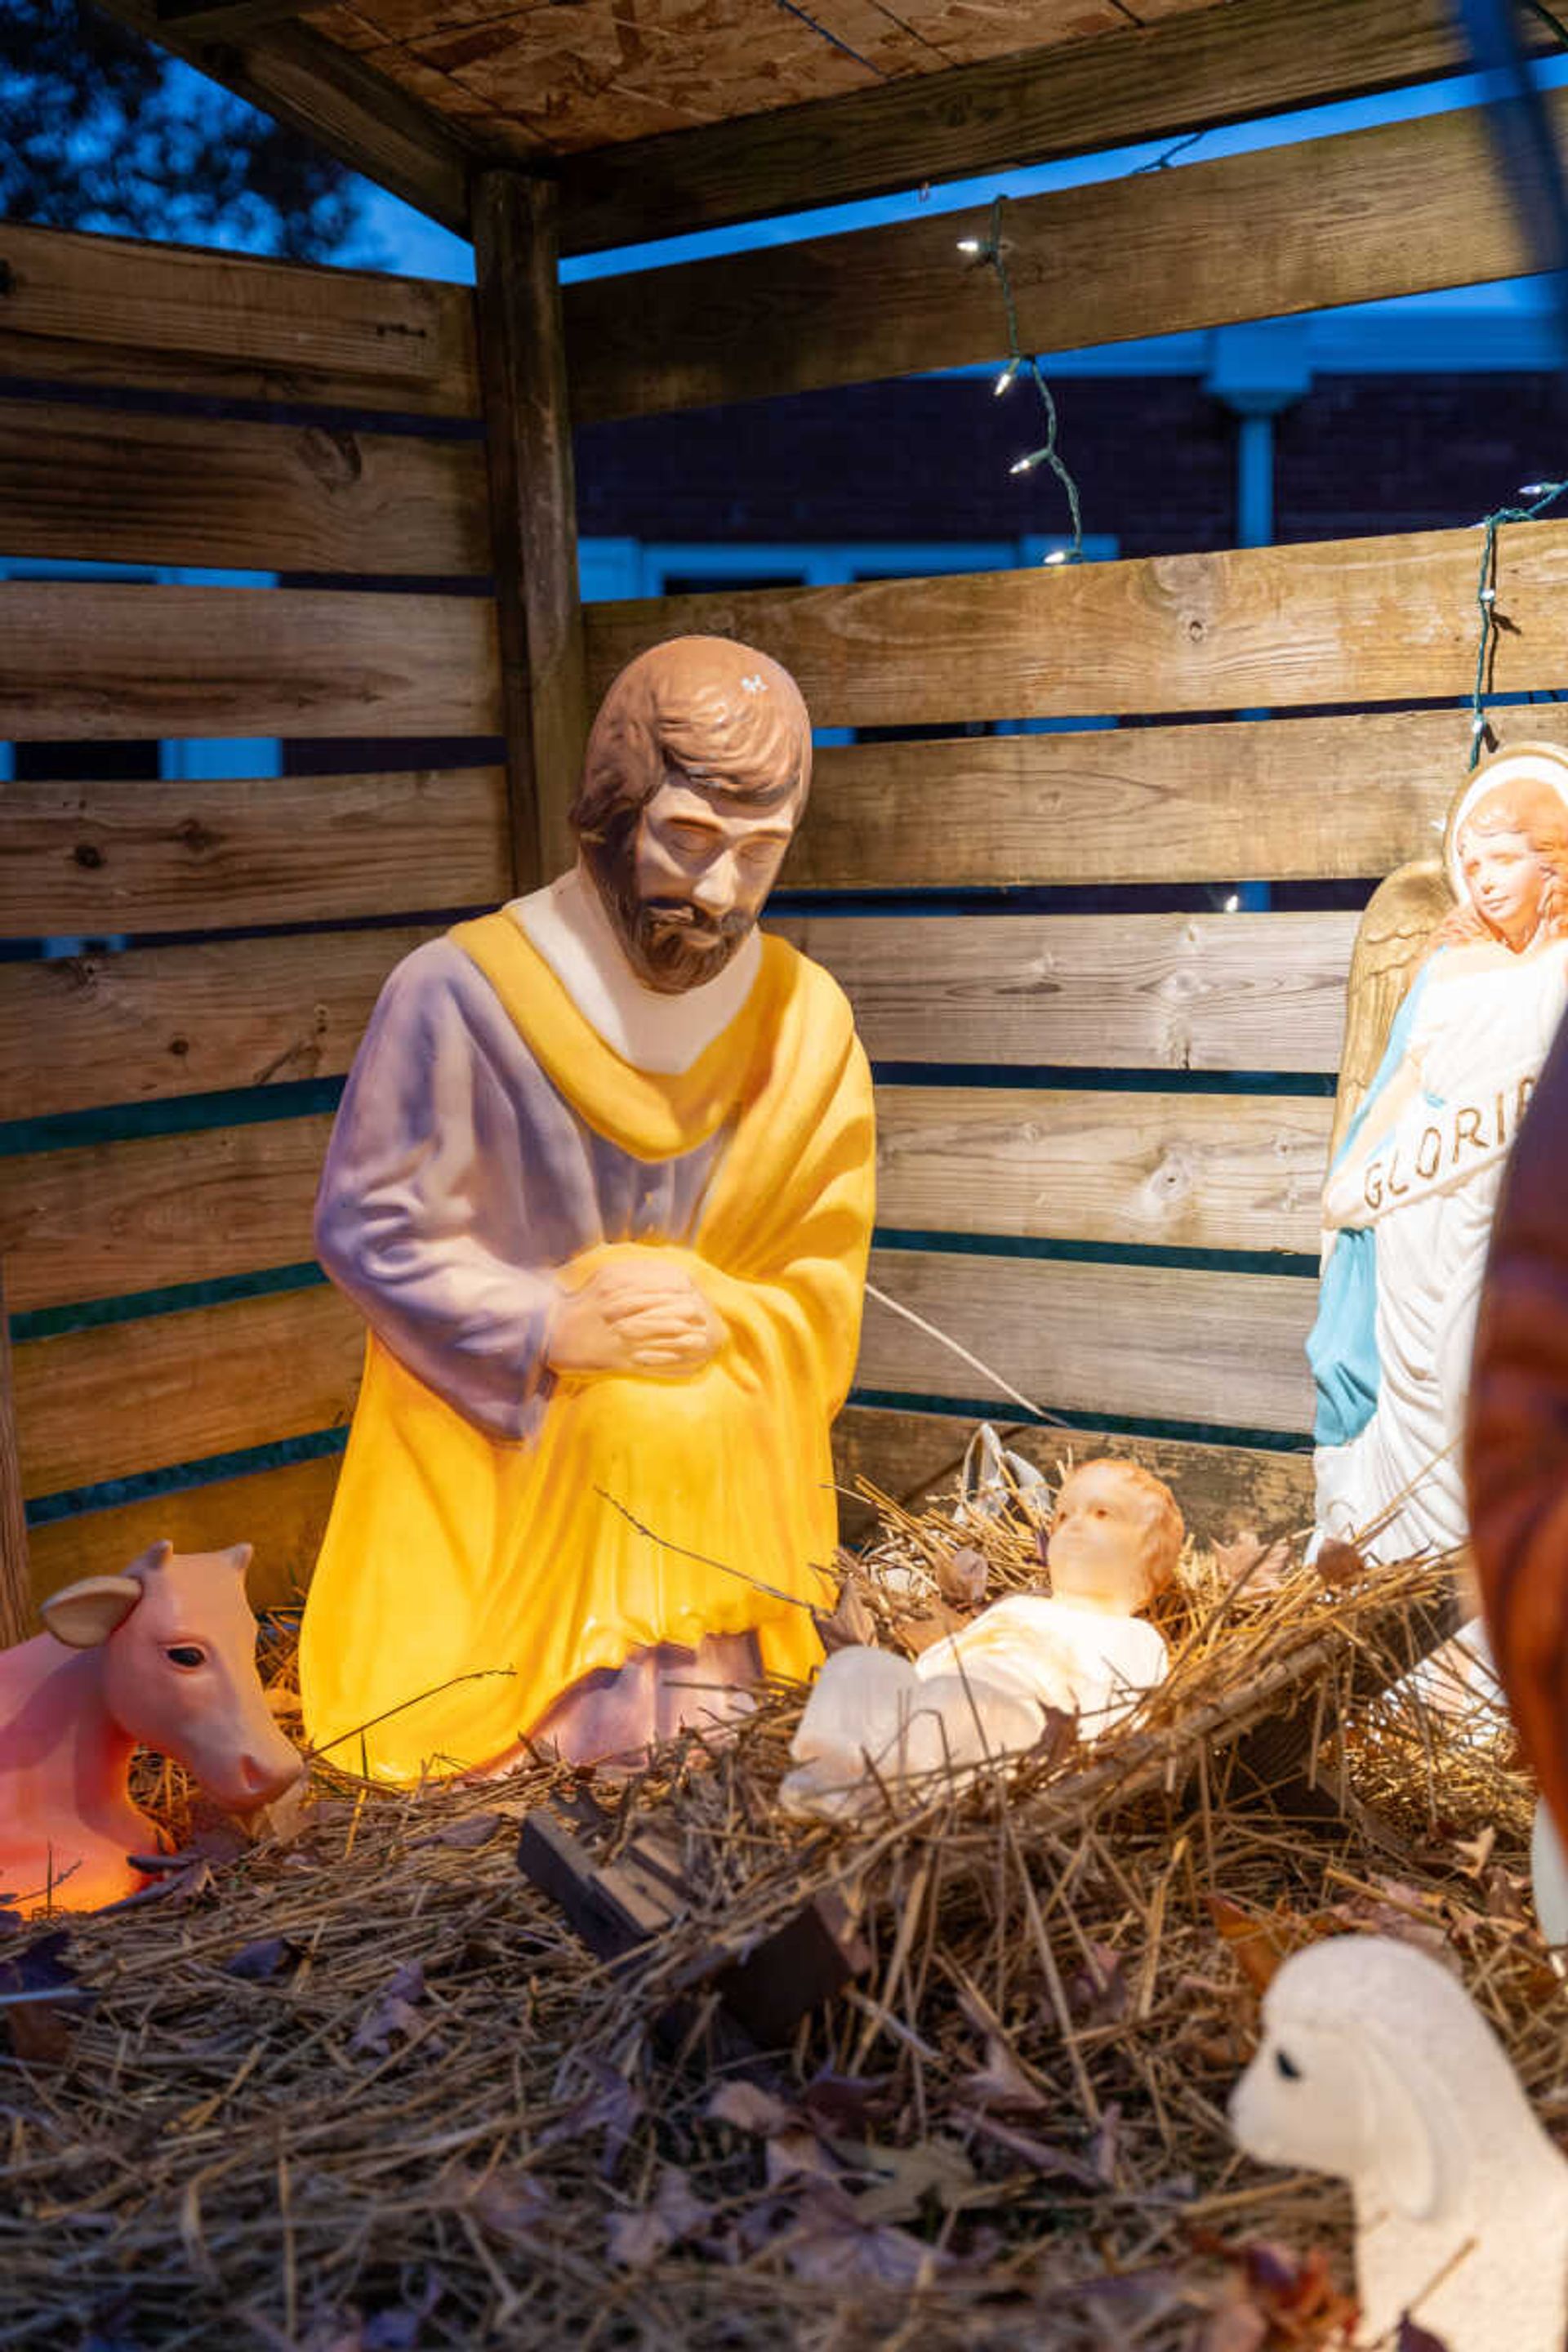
1154	457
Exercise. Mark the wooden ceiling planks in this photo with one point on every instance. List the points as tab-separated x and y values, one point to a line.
1199	70
669	115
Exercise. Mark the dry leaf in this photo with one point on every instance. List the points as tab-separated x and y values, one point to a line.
287	1815
1237	2327
1105	2145
258	1963
1258	1943
1338	1562
1098	1994
1412	2338
612	2108
1474	1854
794	2155
1050	2162
511	2204
676	2212
963	1576
751	2109
475	1830
849	1624
1002	2083
393	2014
903	2177
40	1991
1243	1552
832	2247
844	2103
920	1633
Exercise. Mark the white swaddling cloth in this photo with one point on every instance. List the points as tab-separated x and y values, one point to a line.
875	1722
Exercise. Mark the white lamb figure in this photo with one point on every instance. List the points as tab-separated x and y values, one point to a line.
1377	2065
877	1724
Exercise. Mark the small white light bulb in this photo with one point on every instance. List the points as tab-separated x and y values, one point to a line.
1026	465
971	246
1008	377
1233	903
1058	555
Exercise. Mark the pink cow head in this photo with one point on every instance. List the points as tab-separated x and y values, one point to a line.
178	1667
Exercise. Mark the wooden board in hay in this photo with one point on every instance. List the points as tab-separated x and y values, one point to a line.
359	2085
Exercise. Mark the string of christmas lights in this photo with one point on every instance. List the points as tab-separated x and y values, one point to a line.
1541	496
990	253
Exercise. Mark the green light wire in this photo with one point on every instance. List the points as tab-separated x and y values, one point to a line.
990	255
1542	495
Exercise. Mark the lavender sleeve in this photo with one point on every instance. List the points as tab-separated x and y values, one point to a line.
454	1185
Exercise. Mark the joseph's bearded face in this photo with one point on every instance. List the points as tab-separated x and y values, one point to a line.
686	881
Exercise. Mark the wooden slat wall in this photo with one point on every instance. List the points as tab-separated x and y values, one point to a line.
1278	800
111	313
1331	621
91	859
1403	208
81	660
153	1378
287	497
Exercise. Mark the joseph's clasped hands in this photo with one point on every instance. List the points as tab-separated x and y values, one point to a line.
648	1317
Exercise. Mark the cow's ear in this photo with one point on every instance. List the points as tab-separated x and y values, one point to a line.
82	1615
240	1557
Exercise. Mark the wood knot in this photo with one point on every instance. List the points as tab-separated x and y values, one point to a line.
196	836
87	854
333	457
179	1047
1197	628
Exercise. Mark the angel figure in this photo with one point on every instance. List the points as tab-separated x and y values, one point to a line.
1458	984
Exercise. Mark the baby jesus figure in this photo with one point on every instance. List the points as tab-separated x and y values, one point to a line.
876	1722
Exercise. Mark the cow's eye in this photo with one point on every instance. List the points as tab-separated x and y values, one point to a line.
185	1654
1285	2064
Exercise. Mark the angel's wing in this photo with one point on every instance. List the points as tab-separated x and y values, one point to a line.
1395	932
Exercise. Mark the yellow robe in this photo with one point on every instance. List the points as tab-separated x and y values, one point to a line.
522	1567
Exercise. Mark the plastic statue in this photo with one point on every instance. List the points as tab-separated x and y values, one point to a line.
1460	978
876	1724
601	1184
164	1657
1517	1462
1377	2065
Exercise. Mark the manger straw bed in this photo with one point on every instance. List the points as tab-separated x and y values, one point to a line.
361	2086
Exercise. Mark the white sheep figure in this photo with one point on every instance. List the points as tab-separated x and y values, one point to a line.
1375	2065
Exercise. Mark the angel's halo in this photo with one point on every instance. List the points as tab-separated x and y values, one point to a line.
1536	763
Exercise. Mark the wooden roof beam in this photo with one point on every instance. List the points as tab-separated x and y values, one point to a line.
327	95
1191	73
212	20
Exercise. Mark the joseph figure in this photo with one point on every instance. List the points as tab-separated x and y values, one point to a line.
601	1184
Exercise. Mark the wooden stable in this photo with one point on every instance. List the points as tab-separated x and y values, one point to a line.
1102	1134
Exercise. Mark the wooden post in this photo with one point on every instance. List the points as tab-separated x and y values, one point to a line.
17	1619
534	513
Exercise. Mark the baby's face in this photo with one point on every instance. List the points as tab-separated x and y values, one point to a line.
1098	1554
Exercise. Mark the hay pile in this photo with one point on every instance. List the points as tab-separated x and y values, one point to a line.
358	2088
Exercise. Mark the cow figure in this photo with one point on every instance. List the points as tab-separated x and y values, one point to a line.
164	1657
